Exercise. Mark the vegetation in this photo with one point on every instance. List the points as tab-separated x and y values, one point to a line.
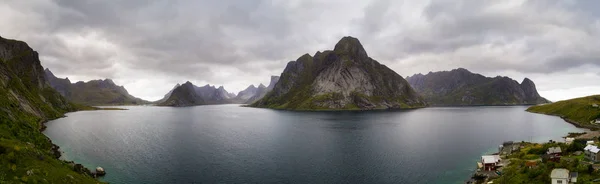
27	155
517	172
578	111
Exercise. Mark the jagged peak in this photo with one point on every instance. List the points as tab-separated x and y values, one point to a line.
304	57
527	81
350	45
461	70
261	86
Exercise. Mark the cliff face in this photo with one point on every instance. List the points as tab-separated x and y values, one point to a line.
345	78
25	89
26	101
460	87
94	92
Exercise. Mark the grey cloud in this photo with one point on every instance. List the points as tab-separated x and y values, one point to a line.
198	40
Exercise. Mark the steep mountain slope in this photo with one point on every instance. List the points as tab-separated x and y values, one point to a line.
262	90
167	95
580	111
94	92
343	79
460	87
27	100
189	94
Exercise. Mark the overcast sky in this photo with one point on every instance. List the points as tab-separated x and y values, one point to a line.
149	46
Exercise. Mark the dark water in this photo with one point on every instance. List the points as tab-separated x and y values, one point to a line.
231	144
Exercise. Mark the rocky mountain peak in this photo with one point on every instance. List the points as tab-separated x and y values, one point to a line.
350	46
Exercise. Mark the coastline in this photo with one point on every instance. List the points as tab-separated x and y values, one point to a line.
56	153
590	132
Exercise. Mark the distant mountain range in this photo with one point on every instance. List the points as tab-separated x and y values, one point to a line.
344	78
94	92
460	87
189	94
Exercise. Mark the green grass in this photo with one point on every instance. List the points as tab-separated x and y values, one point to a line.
579	110
516	172
25	104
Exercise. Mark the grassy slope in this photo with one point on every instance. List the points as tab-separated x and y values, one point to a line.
23	147
579	110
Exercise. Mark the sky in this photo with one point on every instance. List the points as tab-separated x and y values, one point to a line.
150	45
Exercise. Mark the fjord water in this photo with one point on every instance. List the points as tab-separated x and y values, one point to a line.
232	144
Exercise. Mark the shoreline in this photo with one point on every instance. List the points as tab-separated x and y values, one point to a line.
588	134
55	150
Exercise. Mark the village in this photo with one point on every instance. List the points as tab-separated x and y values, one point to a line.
573	161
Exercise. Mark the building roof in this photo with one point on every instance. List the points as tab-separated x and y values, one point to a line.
592	148
588	147
559	173
554	150
488	159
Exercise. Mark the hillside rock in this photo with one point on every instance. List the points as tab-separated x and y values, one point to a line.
461	87
345	78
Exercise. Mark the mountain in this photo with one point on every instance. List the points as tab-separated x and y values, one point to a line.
27	101
188	94
94	92
579	111
183	95
343	79
167	95
246	94
262	90
460	87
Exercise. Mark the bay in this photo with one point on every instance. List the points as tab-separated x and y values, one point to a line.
233	144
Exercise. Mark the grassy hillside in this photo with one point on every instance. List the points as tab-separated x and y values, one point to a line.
27	155
579	110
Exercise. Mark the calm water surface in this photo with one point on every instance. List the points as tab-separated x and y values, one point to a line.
232	144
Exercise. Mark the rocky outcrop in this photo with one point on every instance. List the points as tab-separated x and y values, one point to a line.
94	92
342	79
461	87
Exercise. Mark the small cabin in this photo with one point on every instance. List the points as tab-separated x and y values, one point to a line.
490	162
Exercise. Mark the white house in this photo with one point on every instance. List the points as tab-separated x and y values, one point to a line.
591	153
560	176
589	142
490	162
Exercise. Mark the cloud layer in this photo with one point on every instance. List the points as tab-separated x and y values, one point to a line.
148	46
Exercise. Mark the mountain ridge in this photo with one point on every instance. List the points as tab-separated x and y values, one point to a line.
93	92
460	87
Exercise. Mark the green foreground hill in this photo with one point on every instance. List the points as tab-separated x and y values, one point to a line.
26	102
579	110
